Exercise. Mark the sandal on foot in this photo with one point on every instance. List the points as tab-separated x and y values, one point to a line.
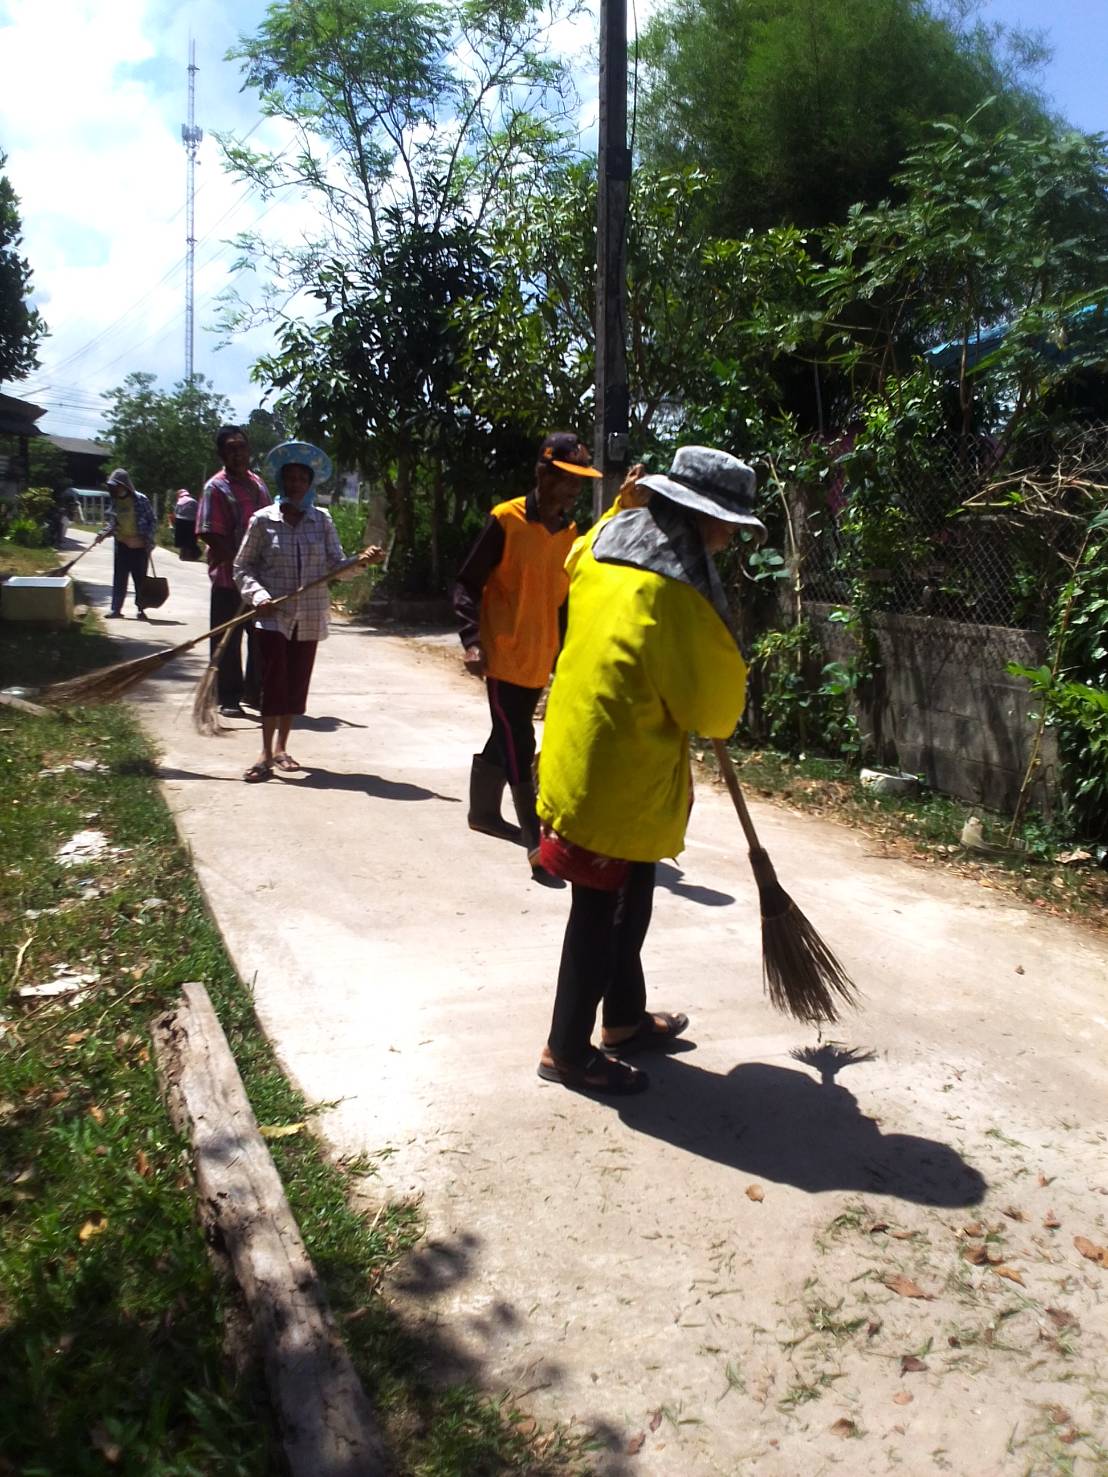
258	772
285	762
648	1034
601	1073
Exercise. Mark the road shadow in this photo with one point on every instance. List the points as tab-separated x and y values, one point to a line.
325	724
373	785
777	1123
673	880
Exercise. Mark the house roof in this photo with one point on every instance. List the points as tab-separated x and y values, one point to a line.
76	446
17	417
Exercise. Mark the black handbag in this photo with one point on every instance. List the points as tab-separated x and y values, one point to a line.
153	590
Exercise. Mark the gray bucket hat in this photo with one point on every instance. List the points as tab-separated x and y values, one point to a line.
710	481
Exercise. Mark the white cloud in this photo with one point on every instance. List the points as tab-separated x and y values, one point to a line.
95	154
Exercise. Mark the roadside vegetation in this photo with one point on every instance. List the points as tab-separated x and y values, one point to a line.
122	1343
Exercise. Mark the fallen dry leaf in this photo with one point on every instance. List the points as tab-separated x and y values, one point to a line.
1067	1438
1045	1180
904	1287
280	1130
1051	1221
903	1397
110	1450
974	1228
93	1226
844	1428
636	1443
142	1164
911	1364
655	1420
755	1192
1059	1415
875	1226
1060	1318
954	1341
96	1113
1019	968
978	1254
873	1328
1013	1213
1091	1250
902	1235
1012	1274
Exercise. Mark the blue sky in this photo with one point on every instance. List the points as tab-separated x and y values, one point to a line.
97	160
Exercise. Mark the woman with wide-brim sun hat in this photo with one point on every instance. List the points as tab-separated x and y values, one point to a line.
287	545
650	657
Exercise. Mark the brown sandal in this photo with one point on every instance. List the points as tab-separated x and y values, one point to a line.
258	772
648	1035
601	1073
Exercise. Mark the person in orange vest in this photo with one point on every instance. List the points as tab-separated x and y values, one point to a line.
508	598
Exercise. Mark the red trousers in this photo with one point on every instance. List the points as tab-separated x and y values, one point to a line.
286	670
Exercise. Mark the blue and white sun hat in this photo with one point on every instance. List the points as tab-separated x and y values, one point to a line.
301	454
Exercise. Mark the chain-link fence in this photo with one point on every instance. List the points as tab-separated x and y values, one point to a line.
953	534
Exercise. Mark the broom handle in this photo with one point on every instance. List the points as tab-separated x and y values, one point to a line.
67	567
731	779
248	615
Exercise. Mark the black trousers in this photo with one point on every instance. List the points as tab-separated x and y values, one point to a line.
184	538
130	564
232	684
601	961
511	744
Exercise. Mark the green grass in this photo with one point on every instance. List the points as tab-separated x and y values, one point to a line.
112	1314
15	559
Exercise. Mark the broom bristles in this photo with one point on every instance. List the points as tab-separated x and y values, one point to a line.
800	973
205	710
108	683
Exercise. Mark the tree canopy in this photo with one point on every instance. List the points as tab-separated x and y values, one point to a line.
802	108
21	327
165	439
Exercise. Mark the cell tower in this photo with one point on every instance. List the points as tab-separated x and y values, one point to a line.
191	136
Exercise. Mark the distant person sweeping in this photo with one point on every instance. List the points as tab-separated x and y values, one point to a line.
507	598
288	545
132	523
229	501
650	657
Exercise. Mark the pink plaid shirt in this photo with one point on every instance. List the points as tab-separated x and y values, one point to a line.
226	507
277	556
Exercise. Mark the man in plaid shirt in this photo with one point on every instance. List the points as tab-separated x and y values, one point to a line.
229	501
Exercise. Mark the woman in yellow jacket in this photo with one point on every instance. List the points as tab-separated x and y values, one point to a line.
649	658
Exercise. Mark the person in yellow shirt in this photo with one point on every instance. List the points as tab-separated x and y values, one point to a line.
650	657
508	596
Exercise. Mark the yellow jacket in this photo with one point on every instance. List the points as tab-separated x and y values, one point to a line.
647	660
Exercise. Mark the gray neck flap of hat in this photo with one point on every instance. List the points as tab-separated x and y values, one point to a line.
663	538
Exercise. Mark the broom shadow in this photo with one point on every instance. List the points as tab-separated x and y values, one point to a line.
777	1123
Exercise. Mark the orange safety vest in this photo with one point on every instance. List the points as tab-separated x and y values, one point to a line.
522	597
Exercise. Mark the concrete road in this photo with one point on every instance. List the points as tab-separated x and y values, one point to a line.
727	1274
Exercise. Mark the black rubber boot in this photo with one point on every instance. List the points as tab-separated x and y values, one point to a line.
523	796
486	788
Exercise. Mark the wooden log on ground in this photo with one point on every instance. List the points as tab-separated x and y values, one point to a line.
326	1422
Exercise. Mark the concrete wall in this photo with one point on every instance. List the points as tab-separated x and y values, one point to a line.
944	707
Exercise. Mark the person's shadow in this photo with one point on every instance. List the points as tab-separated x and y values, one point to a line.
776	1123
673	880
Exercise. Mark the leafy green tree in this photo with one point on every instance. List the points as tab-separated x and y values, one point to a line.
21	327
265	430
165	439
407	118
802	108
47	465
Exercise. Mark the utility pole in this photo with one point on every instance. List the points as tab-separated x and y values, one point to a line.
612	398
190	137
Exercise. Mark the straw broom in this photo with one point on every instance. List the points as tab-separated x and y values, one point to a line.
799	971
205	706
111	683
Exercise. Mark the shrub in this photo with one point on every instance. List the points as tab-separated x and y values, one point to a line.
27	533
